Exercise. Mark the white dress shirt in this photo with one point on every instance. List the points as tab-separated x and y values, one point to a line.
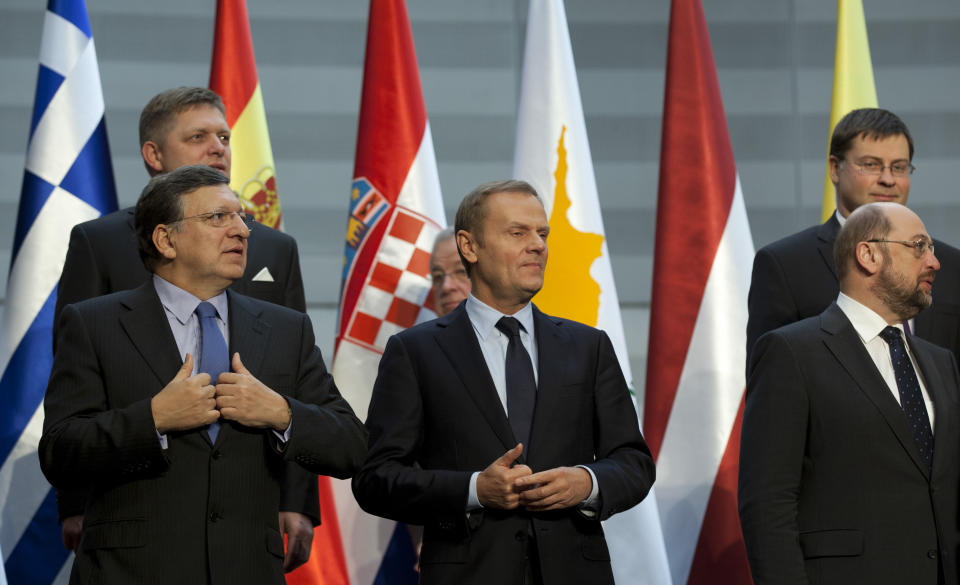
869	325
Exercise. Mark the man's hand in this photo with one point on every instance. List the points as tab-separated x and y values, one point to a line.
496	485
246	400
554	489
185	403
70	532
299	531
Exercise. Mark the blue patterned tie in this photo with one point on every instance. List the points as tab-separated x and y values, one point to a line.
910	397
521	385
214	357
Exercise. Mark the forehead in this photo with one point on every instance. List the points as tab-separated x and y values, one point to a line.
198	115
210	198
889	148
445	252
906	224
515	207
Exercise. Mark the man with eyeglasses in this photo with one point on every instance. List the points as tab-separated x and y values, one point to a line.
177	406
183	126
850	448
448	278
871	153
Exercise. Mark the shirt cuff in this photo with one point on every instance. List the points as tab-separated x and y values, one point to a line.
588	506
163	440
285	435
473	501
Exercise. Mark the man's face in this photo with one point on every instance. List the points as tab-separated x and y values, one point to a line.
507	268
198	136
207	258
450	283
855	187
905	281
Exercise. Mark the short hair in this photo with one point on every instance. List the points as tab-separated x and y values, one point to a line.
161	202
473	209
158	114
443	236
872	123
867	222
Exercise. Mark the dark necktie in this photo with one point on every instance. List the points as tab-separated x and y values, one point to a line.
910	397
214	357
521	385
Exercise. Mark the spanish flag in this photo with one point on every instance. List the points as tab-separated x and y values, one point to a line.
233	75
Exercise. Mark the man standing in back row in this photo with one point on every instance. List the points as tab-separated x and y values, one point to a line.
507	433
871	160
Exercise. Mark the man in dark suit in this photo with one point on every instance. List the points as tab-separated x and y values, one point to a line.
507	433
794	278
181	126
850	450
182	448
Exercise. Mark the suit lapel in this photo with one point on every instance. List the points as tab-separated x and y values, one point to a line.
551	374
843	341
145	323
458	341
825	238
248	333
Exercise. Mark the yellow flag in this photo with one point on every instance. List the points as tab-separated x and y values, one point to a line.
853	85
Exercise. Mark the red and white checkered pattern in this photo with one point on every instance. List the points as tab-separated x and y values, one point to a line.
397	289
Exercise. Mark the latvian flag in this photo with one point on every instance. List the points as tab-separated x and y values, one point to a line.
395	214
701	274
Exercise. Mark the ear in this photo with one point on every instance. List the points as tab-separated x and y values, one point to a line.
467	245
834	169
152	155
869	258
163	241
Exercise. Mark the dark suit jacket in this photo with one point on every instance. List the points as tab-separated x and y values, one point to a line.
102	258
172	516
832	489
795	278
435	418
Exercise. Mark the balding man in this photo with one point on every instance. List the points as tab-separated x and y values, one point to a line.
849	456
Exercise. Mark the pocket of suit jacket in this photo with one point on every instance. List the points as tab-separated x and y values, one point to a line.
831	543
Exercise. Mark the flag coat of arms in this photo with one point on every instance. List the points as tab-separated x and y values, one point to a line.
395	214
553	154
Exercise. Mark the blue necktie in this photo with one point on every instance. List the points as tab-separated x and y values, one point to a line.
521	385
911	400
214	357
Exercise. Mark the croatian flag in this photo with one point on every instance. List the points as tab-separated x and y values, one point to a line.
68	179
698	316
395	214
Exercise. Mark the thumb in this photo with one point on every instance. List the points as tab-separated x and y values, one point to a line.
238	366
185	369
507	459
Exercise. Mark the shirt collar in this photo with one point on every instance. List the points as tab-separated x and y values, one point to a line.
182	304
865	320
484	317
840	217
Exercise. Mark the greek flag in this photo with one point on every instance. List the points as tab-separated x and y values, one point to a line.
68	179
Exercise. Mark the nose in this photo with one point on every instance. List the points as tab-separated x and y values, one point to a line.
932	261
886	176
238	227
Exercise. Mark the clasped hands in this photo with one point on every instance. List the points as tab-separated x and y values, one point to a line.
507	486
188	402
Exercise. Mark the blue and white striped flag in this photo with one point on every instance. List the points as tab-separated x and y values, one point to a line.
68	179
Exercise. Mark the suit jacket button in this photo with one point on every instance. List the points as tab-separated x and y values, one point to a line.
216	455
932	554
520	535
214	516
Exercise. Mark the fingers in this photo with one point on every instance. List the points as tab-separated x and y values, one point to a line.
184	372
237	364
507	459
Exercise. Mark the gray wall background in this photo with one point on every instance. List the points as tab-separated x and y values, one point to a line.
775	65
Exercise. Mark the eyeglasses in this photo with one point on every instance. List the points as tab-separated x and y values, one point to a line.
437	277
920	247
221	218
875	168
